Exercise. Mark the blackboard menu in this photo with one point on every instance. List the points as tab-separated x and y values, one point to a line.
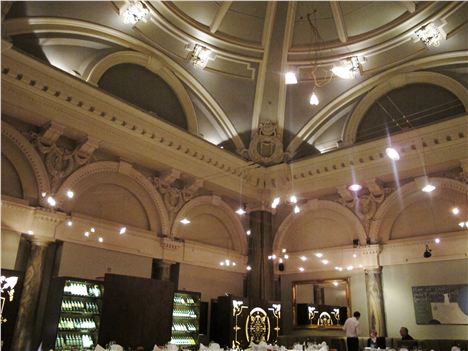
441	304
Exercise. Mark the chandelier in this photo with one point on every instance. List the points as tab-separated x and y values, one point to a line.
135	12
430	35
199	56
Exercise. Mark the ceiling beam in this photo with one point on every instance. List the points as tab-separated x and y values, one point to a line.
410	6
339	21
218	18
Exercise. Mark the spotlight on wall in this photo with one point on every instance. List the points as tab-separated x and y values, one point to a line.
70	194
303	258
318	254
392	153
30	232
275	202
248	268
455	211
248	232
428	188
325	261
297	209
51	201
335	283
122	230
69	223
185	221
437	240
242	210
86	234
301	269
355	187
290	78
428	252
100	239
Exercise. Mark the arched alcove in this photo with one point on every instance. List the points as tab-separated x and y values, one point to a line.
115	192
145	89
11	182
410	212
213	222
320	224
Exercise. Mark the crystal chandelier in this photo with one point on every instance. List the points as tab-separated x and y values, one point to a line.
430	35
199	56
135	12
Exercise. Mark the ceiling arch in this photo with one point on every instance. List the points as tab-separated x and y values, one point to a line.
226	215
321	117
396	82
154	65
64	25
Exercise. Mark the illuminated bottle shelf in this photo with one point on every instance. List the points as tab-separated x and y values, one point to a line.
185	319
78	323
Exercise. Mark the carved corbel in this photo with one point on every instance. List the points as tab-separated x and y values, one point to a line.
346	195
169	177
84	152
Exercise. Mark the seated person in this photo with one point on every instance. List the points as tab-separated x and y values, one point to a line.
376	341
404	334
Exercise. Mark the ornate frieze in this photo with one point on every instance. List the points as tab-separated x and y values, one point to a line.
60	161
266	146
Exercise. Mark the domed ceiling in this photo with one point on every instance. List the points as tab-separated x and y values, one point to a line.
238	99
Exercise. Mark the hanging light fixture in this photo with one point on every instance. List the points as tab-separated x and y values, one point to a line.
134	13
314	99
430	35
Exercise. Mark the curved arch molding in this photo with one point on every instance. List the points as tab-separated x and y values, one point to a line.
88	171
30	153
62	25
316	205
391	207
396	82
237	234
315	123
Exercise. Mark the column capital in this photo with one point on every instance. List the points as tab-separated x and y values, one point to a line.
41	241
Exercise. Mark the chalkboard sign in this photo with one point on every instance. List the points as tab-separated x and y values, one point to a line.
441	304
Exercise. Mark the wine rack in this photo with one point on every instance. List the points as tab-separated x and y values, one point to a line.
186	319
78	323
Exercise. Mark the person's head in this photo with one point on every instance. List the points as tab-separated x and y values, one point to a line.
356	315
403	331
373	334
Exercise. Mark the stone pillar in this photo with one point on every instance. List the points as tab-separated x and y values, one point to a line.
260	282
27	313
375	302
162	270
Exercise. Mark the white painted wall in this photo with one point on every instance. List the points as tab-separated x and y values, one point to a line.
211	283
10	243
398	281
86	262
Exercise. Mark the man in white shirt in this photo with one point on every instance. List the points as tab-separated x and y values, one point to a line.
351	327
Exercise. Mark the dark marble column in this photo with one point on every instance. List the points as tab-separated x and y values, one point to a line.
27	313
375	302
319	295
260	281
162	270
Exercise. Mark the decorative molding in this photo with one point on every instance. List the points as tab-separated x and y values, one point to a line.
40	172
266	146
396	82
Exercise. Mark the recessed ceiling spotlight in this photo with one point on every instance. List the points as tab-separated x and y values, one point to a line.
455	211
51	201
303	258
248	232
349	268
286	256
234	264
297	209
339	269
93	230
221	263
462	224
437	240
314	99
360	266
185	221
86	234
335	283
428	188
221	147
69	223
240	211
283	250
273	257
293	199
354	255
70	194
392	153
100	239
301	269
44	194
325	261
318	254
280	260
30	232
248	268
290	78
122	230
269	257
355	187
